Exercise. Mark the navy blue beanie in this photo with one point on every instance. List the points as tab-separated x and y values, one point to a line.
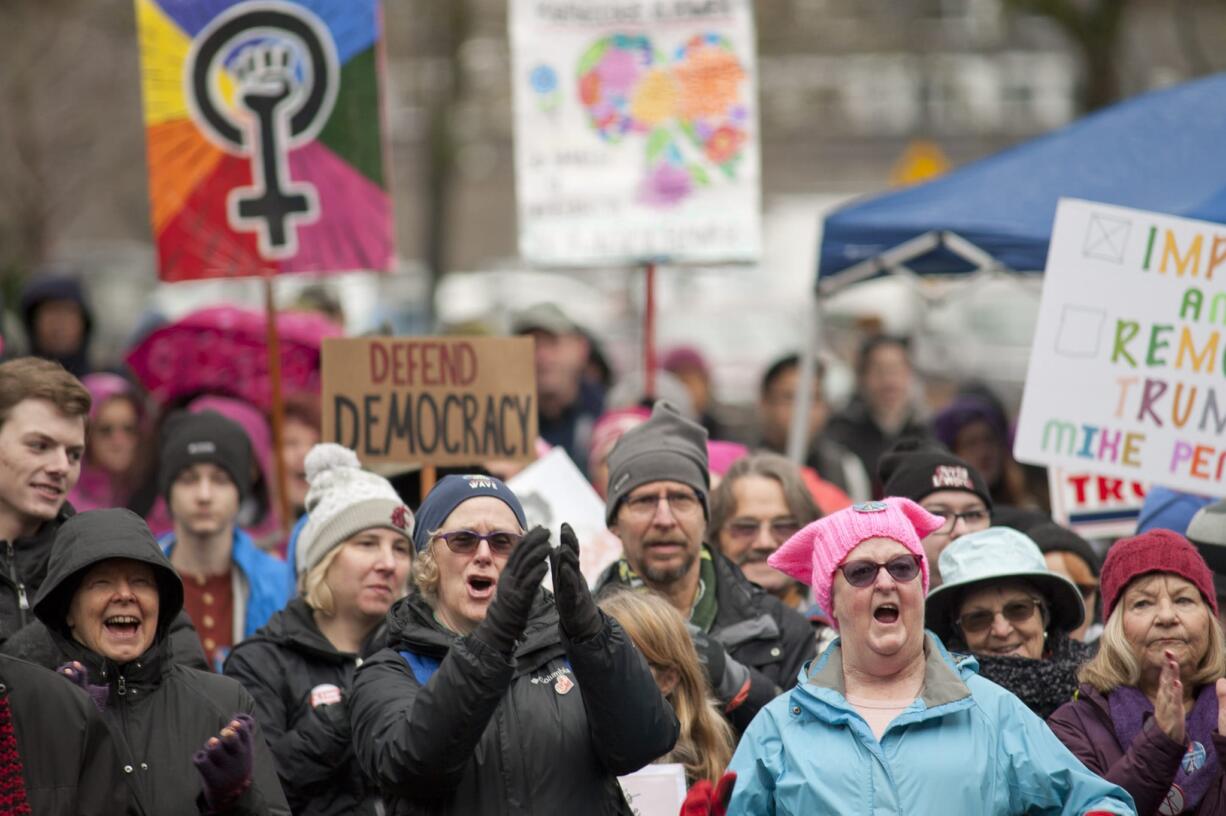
450	493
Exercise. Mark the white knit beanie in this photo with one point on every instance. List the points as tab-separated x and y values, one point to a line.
343	501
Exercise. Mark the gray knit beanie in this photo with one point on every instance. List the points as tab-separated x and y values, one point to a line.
666	448
343	501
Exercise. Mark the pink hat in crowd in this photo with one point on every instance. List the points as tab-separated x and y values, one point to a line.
722	455
816	551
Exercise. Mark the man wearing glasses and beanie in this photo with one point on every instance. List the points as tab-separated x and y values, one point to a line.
753	645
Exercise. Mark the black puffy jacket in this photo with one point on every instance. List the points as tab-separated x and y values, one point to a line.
453	727
160	713
23	567
71	767
279	666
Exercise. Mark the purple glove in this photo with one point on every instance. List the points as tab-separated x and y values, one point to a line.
79	676
224	763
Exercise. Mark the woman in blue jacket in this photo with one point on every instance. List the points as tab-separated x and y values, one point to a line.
886	721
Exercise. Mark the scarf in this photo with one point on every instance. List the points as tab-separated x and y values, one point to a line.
12	772
1045	684
1129	710
702	614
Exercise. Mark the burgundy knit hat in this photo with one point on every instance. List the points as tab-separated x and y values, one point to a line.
1153	551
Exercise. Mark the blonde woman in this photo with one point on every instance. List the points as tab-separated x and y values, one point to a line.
705	744
1149	715
353	560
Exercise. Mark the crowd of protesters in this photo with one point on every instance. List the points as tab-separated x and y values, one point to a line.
894	624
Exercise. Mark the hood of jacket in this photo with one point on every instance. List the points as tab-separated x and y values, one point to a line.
97	535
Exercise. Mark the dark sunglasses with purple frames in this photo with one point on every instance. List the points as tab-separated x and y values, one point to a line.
465	542
902	568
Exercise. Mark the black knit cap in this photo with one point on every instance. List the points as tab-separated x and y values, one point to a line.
914	470
189	439
1051	537
666	448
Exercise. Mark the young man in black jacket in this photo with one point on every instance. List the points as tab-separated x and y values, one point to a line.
752	644
42	438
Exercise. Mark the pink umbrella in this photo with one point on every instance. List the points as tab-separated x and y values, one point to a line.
223	349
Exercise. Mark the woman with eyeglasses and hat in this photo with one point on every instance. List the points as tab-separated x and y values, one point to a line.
493	695
886	719
1151	711
1002	603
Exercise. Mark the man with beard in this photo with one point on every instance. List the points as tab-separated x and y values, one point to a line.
753	645
42	438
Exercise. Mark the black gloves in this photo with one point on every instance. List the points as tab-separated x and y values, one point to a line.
517	586
727	677
576	609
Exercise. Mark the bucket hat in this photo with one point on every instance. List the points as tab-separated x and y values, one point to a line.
998	554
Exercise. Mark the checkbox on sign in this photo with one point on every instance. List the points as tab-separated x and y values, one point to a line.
1106	238
1080	331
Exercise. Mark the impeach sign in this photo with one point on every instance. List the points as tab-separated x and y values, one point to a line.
430	400
1127	375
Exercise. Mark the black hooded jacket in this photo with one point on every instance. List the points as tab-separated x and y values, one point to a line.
69	763
280	665
160	713
23	567
546	732
53	285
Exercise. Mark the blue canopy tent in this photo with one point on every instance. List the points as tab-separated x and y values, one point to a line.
1163	151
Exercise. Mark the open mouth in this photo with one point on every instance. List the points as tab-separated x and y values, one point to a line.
48	491
122	626
886	613
480	587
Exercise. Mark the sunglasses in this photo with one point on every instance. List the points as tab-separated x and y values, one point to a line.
465	542
745	529
902	568
1014	612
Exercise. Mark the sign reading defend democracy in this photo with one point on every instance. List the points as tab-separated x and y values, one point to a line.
636	131
1127	374
430	400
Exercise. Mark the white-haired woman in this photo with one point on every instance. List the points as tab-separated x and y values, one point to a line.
353	560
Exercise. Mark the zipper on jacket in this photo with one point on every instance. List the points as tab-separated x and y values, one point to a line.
122	689
23	600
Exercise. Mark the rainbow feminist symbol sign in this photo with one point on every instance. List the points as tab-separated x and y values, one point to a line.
264	136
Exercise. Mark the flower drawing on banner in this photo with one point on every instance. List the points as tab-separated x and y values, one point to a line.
690	110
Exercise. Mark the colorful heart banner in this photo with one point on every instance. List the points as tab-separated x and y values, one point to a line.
264	136
636	132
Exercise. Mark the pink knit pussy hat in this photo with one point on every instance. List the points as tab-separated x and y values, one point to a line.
815	552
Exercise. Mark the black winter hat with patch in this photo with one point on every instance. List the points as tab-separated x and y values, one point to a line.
914	471
190	439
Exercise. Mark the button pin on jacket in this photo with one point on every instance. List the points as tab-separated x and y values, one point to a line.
563	684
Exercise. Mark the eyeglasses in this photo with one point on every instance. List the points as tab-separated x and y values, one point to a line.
1014	612
971	517
680	503
745	529
902	568
465	542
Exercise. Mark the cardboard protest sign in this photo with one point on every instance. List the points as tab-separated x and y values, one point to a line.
430	400
636	131
655	790
1127	373
552	491
264	138
1095	506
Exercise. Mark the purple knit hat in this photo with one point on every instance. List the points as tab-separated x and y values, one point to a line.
813	554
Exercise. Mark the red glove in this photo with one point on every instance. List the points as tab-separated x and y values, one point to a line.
703	800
